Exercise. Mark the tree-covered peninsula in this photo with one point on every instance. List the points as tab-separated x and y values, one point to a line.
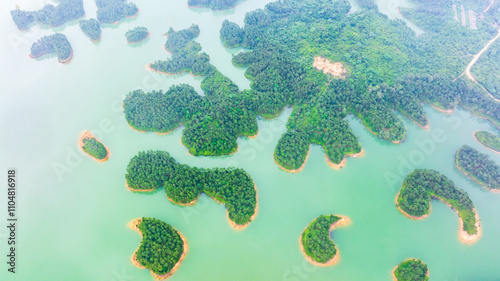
327	64
213	4
91	28
488	140
162	247
112	11
49	15
137	34
94	148
422	185
183	184
479	167
411	270
52	44
315	240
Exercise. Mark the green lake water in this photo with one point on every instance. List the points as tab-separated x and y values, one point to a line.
73	212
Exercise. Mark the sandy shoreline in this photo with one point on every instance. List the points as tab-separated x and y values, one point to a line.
134	226
474	135
184	204
296	170
447	111
474	179
343	162
344	220
87	134
463	236
138	190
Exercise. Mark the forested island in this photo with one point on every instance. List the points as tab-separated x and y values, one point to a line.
137	34
183	184
411	270
112	11
91	28
388	70
315	241
422	185
213	4
49	15
488	140
162	247
56	44
479	167
94	148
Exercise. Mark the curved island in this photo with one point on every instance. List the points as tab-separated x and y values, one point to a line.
411	270
94	148
184	184
162	247
52	44
421	186
315	242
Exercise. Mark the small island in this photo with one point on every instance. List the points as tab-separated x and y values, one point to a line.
315	242
49	15
52	44
488	140
411	270
162	247
137	34
422	185
184	184
112	11
91	28
212	4
478	167
94	148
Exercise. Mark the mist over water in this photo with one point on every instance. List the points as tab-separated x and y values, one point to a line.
73	212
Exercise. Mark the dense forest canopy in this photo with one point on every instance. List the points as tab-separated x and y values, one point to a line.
94	148
316	239
389	70
488	139
422	185
183	184
112	11
412	270
161	247
137	34
479	167
213	4
52	44
91	28
49	15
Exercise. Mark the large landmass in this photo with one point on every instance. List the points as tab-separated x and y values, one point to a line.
162	247
56	44
411	270
183	184
421	186
49	15
315	241
387	70
479	167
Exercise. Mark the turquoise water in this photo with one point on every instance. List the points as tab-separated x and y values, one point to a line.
73	212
